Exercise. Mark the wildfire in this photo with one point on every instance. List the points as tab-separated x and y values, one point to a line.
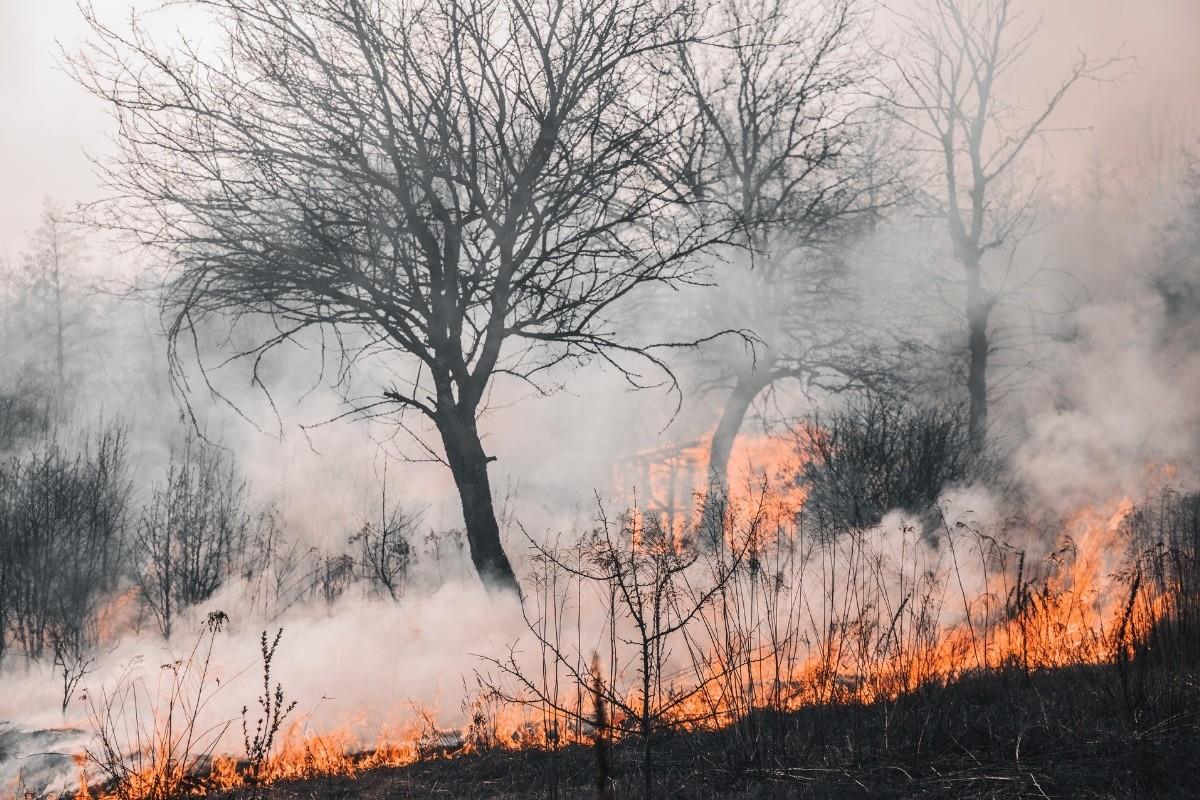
1006	616
304	754
672	483
115	616
864	618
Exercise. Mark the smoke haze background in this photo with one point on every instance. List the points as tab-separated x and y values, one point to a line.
1116	395
49	122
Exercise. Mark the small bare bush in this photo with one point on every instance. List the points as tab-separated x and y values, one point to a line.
152	743
23	413
385	552
273	710
193	533
654	582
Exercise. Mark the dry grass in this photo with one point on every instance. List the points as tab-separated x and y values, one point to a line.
821	672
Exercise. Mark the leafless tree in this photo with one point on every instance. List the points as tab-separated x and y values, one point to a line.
22	409
43	303
786	139
476	185
954	73
57	249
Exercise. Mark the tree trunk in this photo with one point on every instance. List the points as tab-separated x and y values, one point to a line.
978	310
59	346
646	722
468	464
721	448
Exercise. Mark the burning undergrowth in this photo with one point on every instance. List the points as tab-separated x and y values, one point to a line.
747	637
781	615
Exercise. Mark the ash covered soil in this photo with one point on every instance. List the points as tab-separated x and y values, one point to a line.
37	759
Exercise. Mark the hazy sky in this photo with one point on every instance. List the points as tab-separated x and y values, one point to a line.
45	119
47	122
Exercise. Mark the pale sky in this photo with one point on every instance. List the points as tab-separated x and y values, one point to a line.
45	119
47	122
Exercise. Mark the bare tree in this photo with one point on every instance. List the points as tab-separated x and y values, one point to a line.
782	94
57	245
475	185
954	72
42	305
56	294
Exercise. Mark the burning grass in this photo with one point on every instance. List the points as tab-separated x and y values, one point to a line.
901	656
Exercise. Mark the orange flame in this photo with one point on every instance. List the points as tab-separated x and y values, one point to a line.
879	624
671	483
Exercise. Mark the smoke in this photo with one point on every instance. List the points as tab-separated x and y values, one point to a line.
549	460
357	666
1126	424
1108	411
1117	418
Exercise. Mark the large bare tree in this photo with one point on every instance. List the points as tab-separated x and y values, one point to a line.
475	184
785	139
956	71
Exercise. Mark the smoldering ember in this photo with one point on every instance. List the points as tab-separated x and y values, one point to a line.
599	399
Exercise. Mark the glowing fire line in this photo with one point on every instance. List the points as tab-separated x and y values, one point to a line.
1066	617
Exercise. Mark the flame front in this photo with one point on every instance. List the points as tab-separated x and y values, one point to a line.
863	617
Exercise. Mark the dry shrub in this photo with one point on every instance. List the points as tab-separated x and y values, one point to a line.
151	742
881	453
63	509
